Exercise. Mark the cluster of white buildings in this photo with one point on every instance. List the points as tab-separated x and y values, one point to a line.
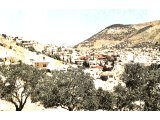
147	56
97	60
106	65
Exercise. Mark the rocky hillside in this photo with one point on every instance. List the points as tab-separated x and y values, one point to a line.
9	49
120	36
13	51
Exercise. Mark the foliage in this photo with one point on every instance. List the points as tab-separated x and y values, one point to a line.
134	75
86	64
32	49
4	35
122	99
18	82
19	44
59	49
55	56
104	77
72	90
151	90
105	100
105	68
142	84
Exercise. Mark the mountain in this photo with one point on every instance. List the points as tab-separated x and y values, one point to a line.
121	36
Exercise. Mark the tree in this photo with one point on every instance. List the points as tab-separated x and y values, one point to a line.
104	77
72	90
105	100
105	68
55	56
32	49
59	49
18	82
151	89
4	35
86	64
123	98
142	84
134	76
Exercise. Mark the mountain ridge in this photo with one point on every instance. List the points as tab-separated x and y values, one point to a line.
116	34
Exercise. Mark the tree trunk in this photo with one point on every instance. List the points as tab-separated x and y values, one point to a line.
70	108
21	104
19	108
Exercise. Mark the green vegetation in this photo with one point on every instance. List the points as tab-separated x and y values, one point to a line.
142	84
72	90
55	56
86	64
132	35
17	83
105	99
4	35
32	49
59	49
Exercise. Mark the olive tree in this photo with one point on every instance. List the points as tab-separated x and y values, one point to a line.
151	89
142	84
123	98
17	82
72	90
105	100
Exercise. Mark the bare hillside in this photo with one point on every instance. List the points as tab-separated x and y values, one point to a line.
120	36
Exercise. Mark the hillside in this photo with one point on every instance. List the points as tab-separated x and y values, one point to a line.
121	36
9	48
12	51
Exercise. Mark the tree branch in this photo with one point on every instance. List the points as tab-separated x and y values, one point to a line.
63	107
16	96
25	100
15	104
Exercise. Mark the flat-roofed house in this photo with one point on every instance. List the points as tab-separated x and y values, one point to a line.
27	43
41	62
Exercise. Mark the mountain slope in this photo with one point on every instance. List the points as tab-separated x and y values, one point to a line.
120	36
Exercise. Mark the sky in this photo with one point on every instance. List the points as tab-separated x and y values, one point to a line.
70	21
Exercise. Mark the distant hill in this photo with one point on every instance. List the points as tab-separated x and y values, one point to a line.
121	36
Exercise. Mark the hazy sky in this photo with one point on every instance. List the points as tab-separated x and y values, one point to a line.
70	21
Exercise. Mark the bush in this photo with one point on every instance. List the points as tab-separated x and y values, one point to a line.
86	64
104	78
55	56
32	49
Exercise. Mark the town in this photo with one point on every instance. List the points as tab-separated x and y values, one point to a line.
105	66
